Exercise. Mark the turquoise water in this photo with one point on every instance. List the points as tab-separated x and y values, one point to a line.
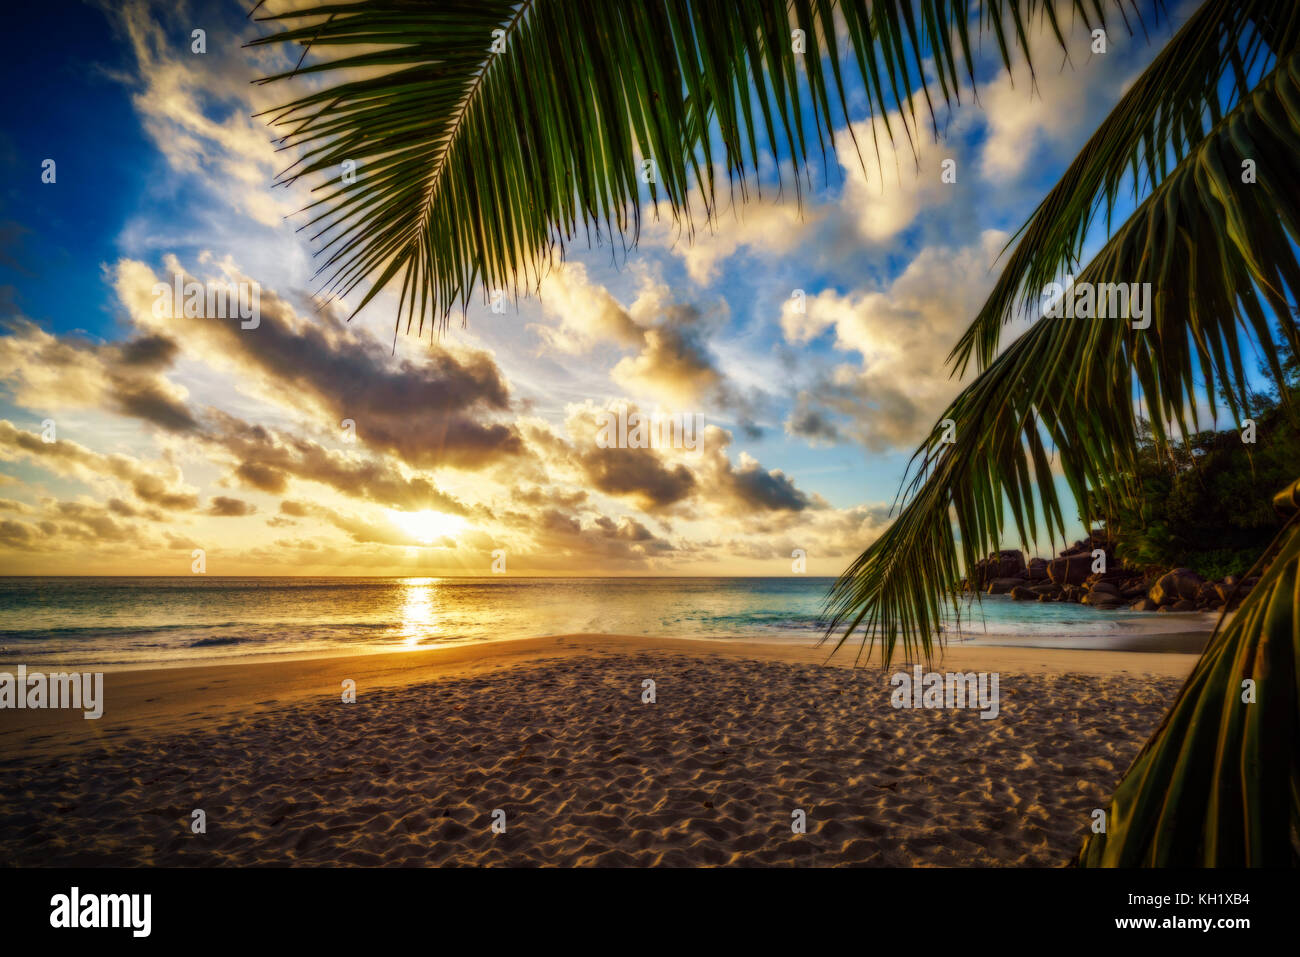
124	621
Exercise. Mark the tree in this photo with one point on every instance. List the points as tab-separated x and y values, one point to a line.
487	134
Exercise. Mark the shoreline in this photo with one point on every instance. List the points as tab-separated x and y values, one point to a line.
172	697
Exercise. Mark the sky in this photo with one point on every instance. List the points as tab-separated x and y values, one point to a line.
310	445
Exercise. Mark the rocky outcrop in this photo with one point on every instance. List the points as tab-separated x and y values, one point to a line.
1004	564
1070	569
1181	583
1070	578
1001	586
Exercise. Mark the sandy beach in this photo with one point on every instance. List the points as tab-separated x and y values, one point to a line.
740	741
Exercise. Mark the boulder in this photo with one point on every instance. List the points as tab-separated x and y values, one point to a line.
1104	588
1102	600
1011	564
1230	593
1181	583
1004	564
1000	586
1144	604
1038	569
1070	569
1021	593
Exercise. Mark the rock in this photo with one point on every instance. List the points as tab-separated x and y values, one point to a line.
1038	569
1004	564
1101	600
1011	564
1181	583
1046	588
1021	593
1000	586
1183	604
1206	594
1144	604
1071	593
1135	591
1104	588
1070	569
1078	548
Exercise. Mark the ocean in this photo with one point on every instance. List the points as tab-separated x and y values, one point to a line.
188	620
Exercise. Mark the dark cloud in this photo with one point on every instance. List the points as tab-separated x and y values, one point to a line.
811	422
263	453
225	507
435	411
638	474
756	488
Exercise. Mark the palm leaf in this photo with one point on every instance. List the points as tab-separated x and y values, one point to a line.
1213	59
1218	784
475	168
1219	254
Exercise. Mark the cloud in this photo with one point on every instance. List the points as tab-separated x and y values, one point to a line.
436	411
46	372
1066	100
672	363
588	314
197	110
765	227
901	331
160	485
808	421
226	507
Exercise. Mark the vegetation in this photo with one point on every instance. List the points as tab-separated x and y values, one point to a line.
1207	503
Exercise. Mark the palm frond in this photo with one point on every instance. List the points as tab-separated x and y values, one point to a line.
1213	60
1218	784
1219	254
479	157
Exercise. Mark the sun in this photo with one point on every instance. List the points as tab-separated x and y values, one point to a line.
426	526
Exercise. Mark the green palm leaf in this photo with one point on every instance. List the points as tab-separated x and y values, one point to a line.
1216	252
1156	124
1218	784
475	167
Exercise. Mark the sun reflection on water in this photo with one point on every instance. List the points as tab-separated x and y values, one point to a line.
419	617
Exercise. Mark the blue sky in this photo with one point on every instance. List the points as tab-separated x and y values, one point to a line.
175	435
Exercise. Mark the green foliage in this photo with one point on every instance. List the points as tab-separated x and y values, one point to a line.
477	161
1206	503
